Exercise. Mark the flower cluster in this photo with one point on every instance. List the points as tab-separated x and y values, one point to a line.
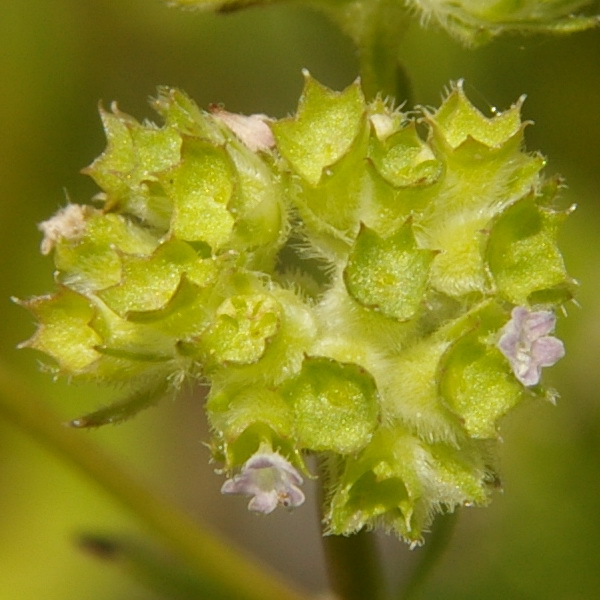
343	285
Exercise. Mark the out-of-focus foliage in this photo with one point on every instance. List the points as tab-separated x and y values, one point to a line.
472	22
57	60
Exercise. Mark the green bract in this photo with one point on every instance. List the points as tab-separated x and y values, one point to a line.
343	286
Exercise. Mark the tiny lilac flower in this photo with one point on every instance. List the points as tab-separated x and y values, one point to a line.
527	346
270	479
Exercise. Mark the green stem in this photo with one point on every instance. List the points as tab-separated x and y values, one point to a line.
377	28
353	564
227	573
385	78
353	567
432	551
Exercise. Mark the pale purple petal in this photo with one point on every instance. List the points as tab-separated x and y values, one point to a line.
547	351
528	373
539	323
264	502
518	316
270	479
509	340
525	342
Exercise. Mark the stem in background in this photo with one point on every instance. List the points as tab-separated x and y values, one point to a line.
432	551
377	28
225	571
353	564
156	572
387	79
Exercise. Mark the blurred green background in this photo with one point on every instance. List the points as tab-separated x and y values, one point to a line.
539	539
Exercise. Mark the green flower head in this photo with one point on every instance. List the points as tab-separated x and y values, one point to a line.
344	286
